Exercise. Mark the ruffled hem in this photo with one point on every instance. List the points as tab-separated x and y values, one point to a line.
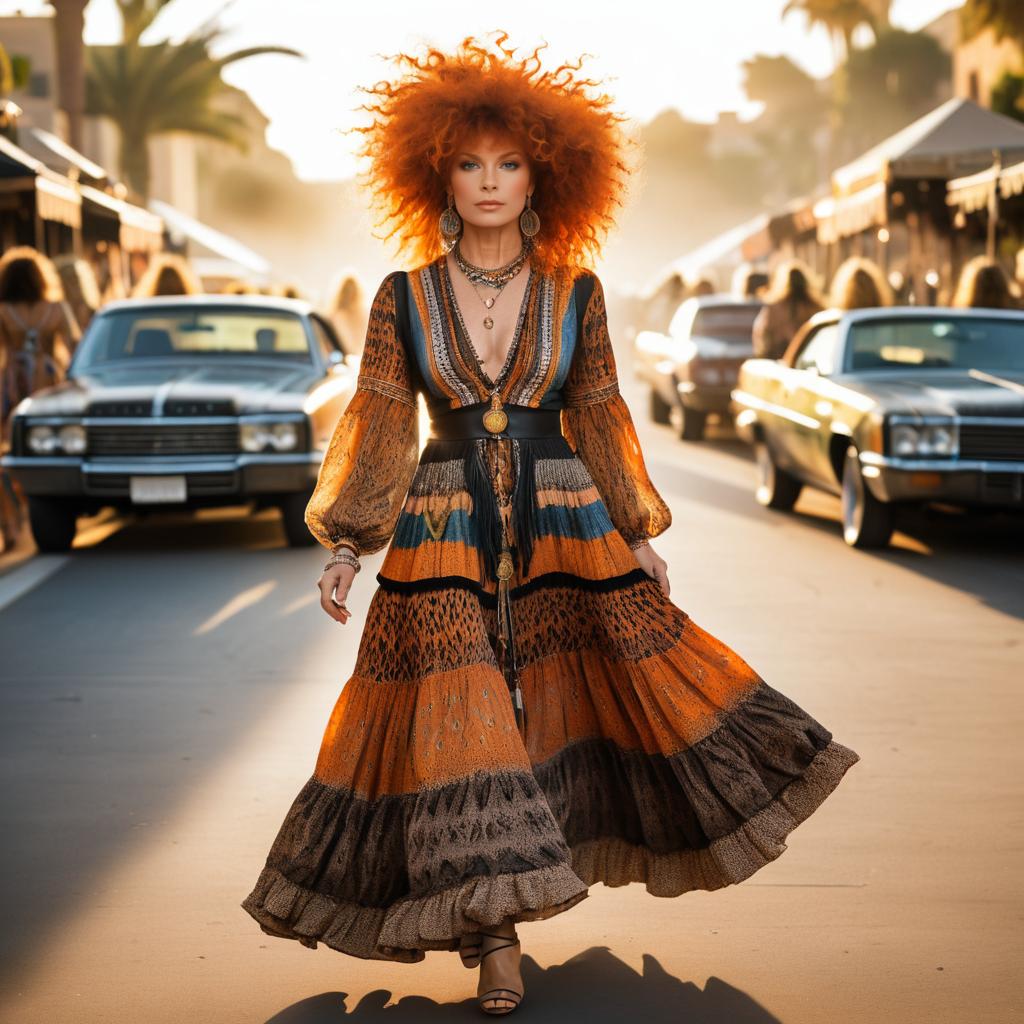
406	929
728	860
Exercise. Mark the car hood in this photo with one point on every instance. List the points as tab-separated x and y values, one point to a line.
249	389
945	392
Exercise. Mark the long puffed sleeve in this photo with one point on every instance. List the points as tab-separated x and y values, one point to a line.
597	423
374	450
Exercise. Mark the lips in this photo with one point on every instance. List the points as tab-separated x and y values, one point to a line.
489	206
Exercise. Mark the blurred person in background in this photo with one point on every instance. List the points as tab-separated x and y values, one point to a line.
791	300
983	282
167	274
858	284
239	287
704	286
349	312
37	335
287	291
81	290
748	282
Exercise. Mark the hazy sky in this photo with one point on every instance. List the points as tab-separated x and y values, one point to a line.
651	59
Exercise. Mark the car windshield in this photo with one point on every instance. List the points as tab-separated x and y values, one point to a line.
181	333
729	323
960	342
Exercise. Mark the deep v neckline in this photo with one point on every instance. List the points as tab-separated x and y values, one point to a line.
492	385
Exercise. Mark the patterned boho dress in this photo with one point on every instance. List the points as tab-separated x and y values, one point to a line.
651	752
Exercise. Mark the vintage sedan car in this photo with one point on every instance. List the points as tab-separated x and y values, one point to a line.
184	402
890	406
694	367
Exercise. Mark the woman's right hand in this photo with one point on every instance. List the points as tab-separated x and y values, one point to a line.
334	584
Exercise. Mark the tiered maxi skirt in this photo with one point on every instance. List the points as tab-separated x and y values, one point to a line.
651	751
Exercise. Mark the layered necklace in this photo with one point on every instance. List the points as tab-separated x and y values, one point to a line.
496	277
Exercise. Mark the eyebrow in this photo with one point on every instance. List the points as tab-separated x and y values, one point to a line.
511	152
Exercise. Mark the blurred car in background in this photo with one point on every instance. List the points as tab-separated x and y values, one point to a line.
184	402
694	366
887	406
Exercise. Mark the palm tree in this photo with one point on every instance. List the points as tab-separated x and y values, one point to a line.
149	90
68	23
1004	17
840	18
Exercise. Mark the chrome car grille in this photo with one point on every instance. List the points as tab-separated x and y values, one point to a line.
992	441
169	439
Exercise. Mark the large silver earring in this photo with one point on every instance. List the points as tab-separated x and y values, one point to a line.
450	223
529	222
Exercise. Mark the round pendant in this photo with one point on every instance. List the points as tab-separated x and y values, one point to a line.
488	322
505	566
495	420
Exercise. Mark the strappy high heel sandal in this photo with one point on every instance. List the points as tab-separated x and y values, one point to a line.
495	995
469	953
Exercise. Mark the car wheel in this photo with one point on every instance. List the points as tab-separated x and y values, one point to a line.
867	522
293	519
775	487
661	411
692	425
53	523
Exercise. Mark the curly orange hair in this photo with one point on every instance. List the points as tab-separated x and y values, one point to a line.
575	144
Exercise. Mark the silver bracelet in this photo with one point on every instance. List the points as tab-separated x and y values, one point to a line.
343	557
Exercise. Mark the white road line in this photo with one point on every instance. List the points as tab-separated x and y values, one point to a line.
20	581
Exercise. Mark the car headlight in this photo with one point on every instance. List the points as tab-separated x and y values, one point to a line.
46	440
924	439
258	437
72	438
43	440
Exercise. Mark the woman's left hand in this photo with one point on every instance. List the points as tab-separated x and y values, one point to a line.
654	565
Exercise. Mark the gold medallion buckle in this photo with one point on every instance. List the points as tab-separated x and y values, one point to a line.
495	419
505	566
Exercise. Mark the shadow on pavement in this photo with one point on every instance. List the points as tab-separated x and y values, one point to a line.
125	680
594	986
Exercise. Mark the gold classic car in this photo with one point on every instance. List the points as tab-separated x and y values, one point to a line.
890	406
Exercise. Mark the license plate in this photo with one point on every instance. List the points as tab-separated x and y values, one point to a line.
151	489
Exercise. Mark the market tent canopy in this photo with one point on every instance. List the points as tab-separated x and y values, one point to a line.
135	229
975	191
203	235
56	197
58	155
739	243
954	139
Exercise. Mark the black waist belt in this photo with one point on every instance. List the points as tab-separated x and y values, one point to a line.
520	421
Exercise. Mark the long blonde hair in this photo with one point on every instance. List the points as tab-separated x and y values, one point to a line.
349	312
983	283
858	284
167	274
793	280
28	275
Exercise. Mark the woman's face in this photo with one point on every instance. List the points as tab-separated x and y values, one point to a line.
490	168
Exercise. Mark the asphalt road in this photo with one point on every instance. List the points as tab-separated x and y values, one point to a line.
163	692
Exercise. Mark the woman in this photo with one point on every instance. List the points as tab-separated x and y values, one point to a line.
983	282
529	713
36	339
167	273
81	290
858	284
349	313
790	302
